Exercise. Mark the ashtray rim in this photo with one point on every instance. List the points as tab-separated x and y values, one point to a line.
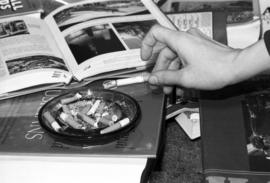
93	139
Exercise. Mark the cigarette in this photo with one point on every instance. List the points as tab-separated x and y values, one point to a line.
127	81
100	107
57	107
94	107
106	121
114	117
71	99
66	109
86	108
89	92
116	126
86	119
70	120
47	115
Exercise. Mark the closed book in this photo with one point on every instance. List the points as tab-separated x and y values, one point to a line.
29	153
235	133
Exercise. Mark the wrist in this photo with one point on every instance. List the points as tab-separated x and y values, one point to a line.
250	62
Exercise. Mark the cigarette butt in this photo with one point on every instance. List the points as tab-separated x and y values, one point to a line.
57	107
104	114
64	125
108	117
109	84
89	92
116	126
114	117
86	108
86	118
106	121
66	109
47	115
117	114
71	99
94	107
100	107
70	120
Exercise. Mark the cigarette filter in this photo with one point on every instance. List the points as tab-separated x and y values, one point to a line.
86	118
126	81
70	120
71	99
47	115
116	126
94	107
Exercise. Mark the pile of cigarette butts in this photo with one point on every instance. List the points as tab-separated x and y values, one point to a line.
85	113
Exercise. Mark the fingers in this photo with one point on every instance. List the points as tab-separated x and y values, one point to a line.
175	64
166	77
160	37
164	59
179	91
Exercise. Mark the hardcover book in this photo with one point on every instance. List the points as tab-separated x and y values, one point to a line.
29	153
235	133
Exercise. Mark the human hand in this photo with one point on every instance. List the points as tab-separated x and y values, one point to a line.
188	59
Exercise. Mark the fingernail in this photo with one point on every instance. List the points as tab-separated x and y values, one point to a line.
153	80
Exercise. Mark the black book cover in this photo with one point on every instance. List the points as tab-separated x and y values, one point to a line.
21	133
235	133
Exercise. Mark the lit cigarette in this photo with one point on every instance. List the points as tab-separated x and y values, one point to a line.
116	126
94	107
71	99
47	115
70	120
127	81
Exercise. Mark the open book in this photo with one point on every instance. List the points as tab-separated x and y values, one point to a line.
75	42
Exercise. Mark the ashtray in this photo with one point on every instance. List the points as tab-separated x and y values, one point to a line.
89	115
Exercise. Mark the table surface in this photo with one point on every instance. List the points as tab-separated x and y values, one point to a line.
180	161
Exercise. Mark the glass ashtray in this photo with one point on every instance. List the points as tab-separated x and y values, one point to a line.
89	115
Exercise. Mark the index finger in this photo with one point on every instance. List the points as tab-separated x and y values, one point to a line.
157	34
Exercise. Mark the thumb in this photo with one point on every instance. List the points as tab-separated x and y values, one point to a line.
166	77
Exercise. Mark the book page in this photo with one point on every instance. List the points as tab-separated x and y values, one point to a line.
101	36
26	44
28	55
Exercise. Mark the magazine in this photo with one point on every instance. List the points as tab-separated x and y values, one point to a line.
77	41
